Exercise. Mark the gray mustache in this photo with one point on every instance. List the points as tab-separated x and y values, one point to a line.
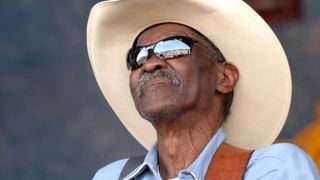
156	74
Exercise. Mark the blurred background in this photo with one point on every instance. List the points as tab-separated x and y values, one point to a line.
56	124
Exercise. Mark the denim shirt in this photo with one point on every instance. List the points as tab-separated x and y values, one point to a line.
278	161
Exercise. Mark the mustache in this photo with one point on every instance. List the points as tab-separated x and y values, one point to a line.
156	74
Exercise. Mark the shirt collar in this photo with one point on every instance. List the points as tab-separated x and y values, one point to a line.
197	169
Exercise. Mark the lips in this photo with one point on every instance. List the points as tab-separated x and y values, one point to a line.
156	83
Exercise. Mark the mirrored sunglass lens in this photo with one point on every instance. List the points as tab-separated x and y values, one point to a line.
171	49
142	56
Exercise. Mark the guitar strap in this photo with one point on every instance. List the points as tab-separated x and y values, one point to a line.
228	163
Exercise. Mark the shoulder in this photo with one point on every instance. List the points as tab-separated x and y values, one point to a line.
280	152
110	171
279	160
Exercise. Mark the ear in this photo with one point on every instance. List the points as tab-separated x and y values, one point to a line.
228	76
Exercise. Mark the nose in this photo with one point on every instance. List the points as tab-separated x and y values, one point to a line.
154	63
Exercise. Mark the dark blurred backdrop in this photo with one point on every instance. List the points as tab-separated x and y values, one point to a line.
54	121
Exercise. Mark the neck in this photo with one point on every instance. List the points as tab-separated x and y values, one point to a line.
180	141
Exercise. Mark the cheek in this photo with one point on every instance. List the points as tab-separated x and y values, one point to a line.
133	81
189	72
198	75
207	71
189	69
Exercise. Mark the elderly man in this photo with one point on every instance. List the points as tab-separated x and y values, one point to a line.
185	62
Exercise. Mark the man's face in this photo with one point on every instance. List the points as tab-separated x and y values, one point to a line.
171	88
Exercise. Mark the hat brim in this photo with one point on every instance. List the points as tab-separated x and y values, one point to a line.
262	95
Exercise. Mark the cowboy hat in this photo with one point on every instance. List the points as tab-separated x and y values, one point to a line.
263	93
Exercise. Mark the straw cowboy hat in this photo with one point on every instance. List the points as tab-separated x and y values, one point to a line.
263	93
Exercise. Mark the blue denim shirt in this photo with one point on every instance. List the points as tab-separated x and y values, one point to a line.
278	161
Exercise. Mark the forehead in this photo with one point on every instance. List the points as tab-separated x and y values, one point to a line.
161	31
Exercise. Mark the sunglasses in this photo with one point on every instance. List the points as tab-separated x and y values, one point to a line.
165	49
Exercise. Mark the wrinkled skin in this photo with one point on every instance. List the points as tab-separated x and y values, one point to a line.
185	114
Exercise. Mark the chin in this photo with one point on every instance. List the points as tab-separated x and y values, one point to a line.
165	112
